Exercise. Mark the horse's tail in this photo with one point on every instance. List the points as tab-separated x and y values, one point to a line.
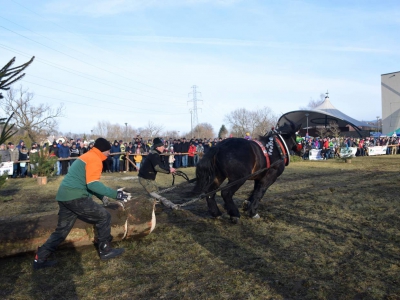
205	171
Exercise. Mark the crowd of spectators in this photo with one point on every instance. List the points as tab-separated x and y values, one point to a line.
179	153
330	147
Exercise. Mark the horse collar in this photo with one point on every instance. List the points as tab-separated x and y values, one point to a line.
283	149
265	151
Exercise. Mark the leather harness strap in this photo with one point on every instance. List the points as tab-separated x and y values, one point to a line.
264	150
282	150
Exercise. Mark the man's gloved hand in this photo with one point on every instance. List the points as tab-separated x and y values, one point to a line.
105	201
123	196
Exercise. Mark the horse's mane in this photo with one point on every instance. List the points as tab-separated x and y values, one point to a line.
286	129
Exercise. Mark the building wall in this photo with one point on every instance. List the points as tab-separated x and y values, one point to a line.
390	85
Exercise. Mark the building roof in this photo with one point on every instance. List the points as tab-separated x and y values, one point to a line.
321	115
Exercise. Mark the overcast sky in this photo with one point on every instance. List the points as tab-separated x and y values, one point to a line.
135	61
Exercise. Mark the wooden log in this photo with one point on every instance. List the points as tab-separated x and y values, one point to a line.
25	233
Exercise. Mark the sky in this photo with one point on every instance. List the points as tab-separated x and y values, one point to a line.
136	61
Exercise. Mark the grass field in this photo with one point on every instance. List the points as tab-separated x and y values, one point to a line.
328	230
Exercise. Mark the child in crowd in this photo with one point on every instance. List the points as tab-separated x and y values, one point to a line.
138	157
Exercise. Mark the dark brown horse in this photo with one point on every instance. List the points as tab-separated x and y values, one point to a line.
237	159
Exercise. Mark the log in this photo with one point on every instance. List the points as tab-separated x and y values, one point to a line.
25	233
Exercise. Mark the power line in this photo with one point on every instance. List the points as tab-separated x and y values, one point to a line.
108	108
77	73
80	60
86	90
74	94
79	36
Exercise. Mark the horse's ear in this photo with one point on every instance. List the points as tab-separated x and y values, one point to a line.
289	128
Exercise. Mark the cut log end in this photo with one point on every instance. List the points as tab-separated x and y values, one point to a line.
25	233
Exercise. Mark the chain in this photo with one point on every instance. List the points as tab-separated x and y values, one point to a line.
228	185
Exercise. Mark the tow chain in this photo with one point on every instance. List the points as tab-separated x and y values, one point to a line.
228	185
218	189
177	173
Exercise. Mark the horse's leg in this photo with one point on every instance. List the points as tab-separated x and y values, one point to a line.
230	206
260	187
211	203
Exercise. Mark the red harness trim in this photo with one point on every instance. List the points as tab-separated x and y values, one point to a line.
264	150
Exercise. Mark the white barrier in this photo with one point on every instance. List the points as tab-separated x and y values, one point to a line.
344	151
377	150
6	167
315	154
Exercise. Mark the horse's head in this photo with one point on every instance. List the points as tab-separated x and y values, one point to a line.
288	132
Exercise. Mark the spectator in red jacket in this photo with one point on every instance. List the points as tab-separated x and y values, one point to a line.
191	152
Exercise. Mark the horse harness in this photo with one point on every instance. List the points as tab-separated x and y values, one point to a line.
275	139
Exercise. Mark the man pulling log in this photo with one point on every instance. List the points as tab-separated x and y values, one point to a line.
74	198
148	172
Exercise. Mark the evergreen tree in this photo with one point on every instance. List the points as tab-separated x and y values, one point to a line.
222	132
44	164
6	131
10	75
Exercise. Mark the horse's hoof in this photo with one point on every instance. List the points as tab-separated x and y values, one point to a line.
235	220
256	216
245	205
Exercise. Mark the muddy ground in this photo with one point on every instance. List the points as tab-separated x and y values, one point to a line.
328	230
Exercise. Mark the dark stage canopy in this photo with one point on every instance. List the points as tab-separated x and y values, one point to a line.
321	116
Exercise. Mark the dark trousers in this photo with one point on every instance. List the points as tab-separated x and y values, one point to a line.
107	164
177	162
191	161
15	170
64	167
85	209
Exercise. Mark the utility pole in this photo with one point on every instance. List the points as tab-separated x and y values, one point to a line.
126	132
191	123
193	112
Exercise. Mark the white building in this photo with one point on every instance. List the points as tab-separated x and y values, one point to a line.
390	84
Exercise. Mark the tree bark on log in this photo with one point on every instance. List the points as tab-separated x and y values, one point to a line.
25	233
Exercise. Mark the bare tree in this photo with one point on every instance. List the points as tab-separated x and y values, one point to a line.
240	121
113	132
37	121
151	130
322	131
255	122
101	130
204	130
265	120
171	134
334	129
313	103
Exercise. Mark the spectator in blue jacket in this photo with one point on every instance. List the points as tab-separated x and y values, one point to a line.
63	152
115	148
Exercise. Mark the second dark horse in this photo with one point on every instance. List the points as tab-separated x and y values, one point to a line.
238	158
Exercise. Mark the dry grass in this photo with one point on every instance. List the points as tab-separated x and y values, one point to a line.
329	230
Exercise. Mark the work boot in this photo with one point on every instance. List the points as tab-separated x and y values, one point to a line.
106	252
96	241
41	261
